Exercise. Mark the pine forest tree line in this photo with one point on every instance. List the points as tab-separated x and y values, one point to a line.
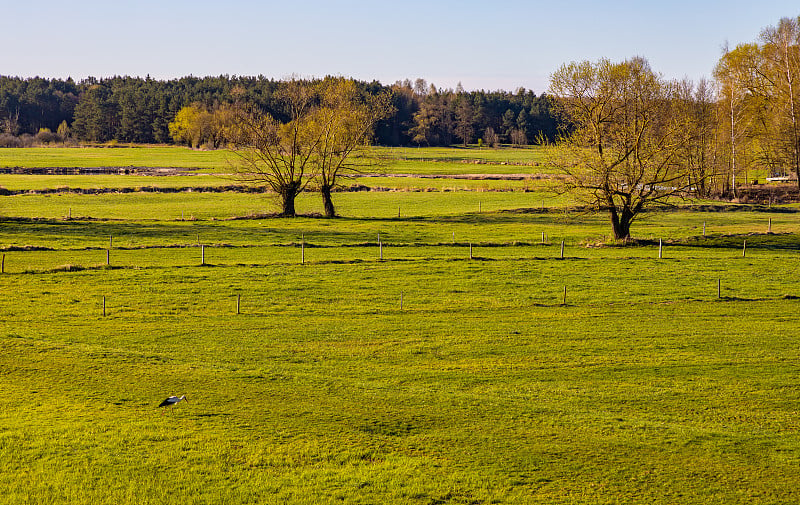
140	110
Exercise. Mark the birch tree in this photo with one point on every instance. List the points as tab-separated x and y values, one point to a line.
780	73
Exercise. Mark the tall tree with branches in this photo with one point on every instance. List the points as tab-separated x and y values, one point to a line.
622	154
779	71
344	122
278	155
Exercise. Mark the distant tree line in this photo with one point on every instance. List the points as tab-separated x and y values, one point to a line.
427	115
140	110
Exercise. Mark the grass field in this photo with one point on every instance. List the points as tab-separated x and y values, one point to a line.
151	156
644	385
184	157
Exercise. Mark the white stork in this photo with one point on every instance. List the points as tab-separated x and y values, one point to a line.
172	400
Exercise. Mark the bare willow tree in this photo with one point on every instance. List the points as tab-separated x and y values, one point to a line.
346	122
622	153
278	155
326	138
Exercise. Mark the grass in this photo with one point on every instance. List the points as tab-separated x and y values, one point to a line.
523	155
411	160
482	389
645	387
137	156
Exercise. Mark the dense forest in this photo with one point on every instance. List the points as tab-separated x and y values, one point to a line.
134	109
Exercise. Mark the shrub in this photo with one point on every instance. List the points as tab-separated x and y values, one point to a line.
45	136
8	140
26	139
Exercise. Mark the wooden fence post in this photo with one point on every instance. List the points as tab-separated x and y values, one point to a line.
659	249
562	249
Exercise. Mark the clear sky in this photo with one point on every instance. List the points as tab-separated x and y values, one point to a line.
482	44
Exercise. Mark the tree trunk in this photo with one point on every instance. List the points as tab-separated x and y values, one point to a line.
621	223
287	203
327	201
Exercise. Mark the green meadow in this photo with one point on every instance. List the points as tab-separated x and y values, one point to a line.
430	346
394	160
120	156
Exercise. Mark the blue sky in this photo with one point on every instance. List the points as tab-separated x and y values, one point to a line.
477	43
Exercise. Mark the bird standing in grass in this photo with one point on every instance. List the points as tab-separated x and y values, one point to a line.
172	400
